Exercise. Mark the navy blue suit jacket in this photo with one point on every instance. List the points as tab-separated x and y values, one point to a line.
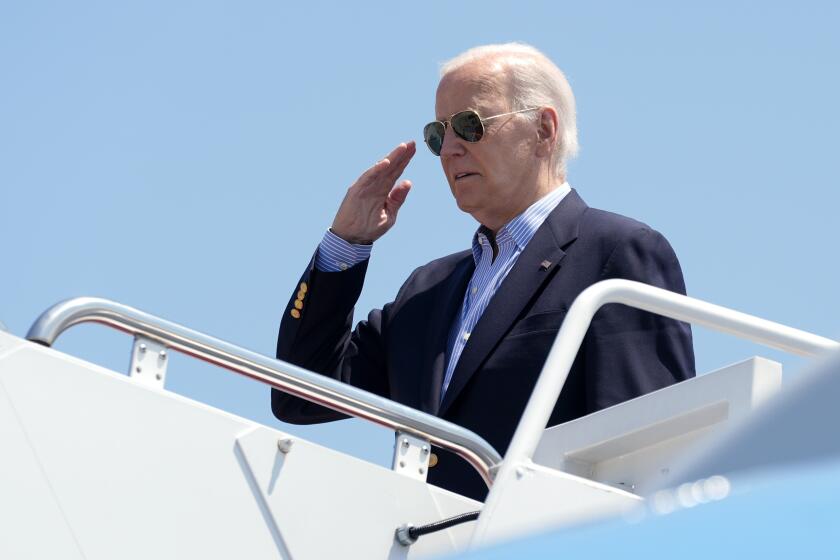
400	351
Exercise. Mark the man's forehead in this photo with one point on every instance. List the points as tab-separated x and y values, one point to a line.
459	91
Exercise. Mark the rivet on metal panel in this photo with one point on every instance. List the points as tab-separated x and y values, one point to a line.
285	445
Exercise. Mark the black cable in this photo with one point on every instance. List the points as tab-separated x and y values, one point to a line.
414	533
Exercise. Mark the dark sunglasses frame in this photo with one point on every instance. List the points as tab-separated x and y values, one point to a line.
467	125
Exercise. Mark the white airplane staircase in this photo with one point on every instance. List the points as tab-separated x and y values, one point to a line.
97	464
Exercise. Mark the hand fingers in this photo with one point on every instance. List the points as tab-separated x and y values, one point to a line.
402	151
399	158
399	192
397	196
385	171
373	171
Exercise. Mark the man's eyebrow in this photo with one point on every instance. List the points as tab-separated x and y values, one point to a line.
467	108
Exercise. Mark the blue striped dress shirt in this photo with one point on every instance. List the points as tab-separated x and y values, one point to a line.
335	254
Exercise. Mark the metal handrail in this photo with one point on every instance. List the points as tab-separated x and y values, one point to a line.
281	375
648	298
566	345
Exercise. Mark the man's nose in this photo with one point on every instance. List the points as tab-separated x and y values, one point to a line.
452	144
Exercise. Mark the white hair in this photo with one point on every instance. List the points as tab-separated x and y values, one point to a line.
534	81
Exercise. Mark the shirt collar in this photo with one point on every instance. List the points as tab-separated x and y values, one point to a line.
522	228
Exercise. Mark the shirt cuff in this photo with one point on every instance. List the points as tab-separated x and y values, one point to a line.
336	254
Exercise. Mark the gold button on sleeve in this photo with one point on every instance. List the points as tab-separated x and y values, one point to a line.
298	304
303	287
433	460
295	313
301	294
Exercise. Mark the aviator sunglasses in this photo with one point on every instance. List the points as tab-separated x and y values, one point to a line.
467	125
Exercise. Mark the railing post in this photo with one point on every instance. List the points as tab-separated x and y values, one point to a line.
411	455
148	361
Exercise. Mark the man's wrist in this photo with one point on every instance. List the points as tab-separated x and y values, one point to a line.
336	253
350	239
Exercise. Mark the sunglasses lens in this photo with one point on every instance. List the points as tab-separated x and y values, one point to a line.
467	125
433	135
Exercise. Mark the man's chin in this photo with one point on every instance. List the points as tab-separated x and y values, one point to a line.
473	210
464	204
467	195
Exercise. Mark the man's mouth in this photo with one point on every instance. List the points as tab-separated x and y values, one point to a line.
459	176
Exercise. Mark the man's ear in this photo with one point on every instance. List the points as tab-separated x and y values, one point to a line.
547	131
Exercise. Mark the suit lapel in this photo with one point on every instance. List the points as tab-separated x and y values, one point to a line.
442	313
522	282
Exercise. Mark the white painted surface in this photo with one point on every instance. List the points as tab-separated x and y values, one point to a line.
29	510
328	505
635	444
100	466
9	342
538	498
796	429
138	473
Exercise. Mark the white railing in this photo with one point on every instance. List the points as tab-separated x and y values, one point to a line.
361	404
648	298
281	375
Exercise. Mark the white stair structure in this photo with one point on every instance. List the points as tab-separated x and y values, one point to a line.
636	444
96	464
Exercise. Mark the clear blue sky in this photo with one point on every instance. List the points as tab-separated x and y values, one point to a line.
185	157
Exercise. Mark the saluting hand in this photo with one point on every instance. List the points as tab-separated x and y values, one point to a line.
370	207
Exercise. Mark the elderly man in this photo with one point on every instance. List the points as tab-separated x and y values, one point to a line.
467	334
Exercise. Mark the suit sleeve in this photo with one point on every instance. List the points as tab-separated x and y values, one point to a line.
629	352
315	333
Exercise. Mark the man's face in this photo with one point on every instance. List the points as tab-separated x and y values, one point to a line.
491	179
